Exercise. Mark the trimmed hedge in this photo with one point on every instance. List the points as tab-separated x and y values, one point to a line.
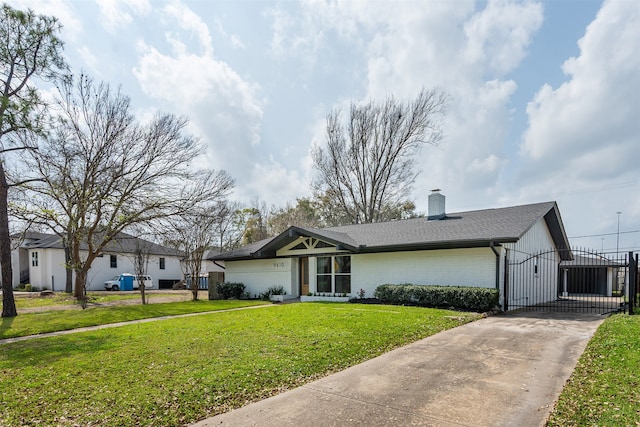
228	290
461	297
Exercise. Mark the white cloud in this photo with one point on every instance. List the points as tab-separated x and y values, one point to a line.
598	104
89	60
222	107
234	39
274	183
499	35
190	21
62	9
582	137
454	46
118	13
593	117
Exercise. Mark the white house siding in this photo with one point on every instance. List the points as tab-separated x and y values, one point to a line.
209	266
51	274
17	265
475	267
259	275
531	288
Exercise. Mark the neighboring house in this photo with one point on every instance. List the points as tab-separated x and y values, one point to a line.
20	255
592	274
43	254
209	265
458	249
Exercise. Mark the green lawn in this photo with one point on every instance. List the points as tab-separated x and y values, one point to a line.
60	320
604	389
174	372
64	299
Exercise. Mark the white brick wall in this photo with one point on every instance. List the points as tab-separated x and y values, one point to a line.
454	267
451	267
258	275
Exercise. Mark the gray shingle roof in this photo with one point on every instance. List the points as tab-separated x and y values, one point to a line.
124	243
592	260
462	229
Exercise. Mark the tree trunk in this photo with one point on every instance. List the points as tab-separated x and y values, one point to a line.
8	303
68	270
142	294
194	289
79	291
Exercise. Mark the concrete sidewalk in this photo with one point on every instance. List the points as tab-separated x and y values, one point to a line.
505	370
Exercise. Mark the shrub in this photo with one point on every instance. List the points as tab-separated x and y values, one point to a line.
273	290
461	297
228	290
27	287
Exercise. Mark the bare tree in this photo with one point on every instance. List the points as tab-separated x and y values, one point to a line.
29	48
193	233
140	260
367	166
227	227
101	172
140	267
304	213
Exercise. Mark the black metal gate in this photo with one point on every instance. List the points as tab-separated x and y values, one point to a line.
578	280
634	284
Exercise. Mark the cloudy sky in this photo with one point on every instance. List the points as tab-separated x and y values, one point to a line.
544	96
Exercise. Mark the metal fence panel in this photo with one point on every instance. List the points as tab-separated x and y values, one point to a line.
578	280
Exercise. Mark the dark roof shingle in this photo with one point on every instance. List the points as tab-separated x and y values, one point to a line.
462	229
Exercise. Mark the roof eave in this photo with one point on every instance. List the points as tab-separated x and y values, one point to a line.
454	244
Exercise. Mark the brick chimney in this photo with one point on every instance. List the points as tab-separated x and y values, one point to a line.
436	205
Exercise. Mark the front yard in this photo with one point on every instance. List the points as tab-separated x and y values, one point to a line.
177	371
604	389
45	321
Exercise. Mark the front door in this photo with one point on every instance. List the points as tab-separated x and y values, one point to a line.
304	275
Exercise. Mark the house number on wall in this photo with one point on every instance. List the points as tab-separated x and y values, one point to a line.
278	265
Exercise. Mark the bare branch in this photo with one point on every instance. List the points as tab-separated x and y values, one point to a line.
100	172
367	167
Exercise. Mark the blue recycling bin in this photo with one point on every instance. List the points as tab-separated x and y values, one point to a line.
126	283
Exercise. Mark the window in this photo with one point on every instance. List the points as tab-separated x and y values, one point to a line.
113	261
162	264
34	259
323	283
333	274
342	269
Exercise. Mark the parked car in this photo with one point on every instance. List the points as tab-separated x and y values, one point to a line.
128	282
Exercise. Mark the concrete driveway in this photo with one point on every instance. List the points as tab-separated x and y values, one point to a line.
505	370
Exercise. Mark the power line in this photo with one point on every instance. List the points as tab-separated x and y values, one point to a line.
605	234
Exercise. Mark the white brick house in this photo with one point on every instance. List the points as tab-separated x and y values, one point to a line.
457	249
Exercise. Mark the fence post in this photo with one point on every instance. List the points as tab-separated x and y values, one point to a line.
506	280
633	269
213	285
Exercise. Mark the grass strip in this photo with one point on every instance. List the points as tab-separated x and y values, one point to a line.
604	389
61	320
175	372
